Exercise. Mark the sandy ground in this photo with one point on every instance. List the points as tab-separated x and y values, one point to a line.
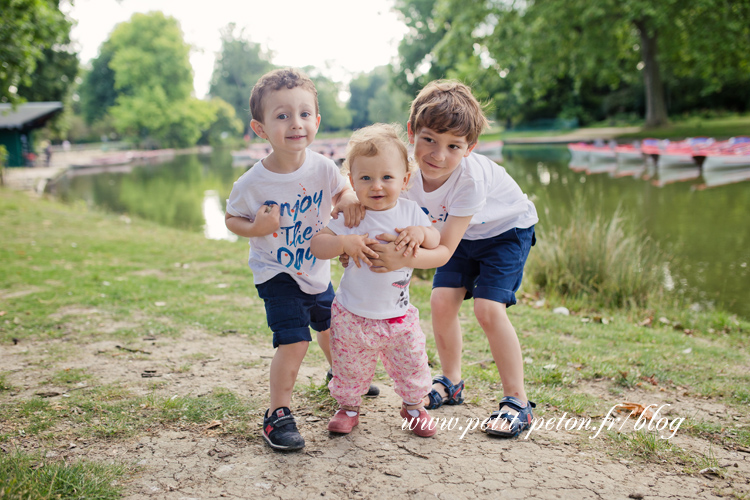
378	460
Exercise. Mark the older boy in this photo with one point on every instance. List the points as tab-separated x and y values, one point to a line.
279	204
487	228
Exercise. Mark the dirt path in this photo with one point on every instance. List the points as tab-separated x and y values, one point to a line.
378	460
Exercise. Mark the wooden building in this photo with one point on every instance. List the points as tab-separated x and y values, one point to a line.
17	127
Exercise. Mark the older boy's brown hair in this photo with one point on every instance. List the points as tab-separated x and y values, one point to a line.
277	79
448	106
371	140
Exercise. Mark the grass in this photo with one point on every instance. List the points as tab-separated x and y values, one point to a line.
162	282
696	126
596	261
26	476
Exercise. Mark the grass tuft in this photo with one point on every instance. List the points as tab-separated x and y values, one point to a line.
596	260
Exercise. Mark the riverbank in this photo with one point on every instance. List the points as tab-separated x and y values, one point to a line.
34	179
125	343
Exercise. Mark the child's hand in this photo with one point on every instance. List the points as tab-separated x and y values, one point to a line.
410	237
388	259
267	219
352	209
355	246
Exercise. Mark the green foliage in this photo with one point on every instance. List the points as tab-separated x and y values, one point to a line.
334	116
225	126
149	53
153	83
97	92
236	70
24	476
363	89
522	53
30	29
598	259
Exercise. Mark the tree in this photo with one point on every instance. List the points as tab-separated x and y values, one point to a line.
225	126
153	80
97	92
28	28
375	98
238	67
604	44
362	89
334	116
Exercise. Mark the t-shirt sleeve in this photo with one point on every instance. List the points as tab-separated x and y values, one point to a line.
337	226
338	181
238	203
468	199
469	196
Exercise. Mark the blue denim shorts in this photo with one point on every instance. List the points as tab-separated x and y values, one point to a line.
290	312
489	269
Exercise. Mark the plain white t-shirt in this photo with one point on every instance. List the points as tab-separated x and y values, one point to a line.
481	188
378	295
305	199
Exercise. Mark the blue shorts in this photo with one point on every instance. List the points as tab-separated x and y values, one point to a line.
290	312
489	269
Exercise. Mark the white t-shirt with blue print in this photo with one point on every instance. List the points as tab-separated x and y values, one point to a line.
305	198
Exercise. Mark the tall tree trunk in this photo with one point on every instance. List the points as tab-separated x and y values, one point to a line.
656	108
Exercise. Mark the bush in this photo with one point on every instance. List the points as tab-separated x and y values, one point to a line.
604	262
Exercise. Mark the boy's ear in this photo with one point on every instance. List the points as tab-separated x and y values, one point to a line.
258	128
470	148
406	181
409	132
317	123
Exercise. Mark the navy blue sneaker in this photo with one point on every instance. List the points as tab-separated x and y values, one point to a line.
280	430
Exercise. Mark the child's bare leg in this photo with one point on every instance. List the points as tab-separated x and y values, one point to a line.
506	349
284	369
445	304
324	341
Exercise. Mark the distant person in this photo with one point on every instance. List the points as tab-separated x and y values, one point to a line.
47	153
486	225
66	145
371	314
279	204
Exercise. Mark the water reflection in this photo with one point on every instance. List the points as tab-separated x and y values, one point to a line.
213	214
706	230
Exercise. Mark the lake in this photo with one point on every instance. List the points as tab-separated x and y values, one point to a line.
702	221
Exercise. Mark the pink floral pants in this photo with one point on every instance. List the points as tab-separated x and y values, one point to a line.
356	343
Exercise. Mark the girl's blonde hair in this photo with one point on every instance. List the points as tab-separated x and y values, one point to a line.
371	140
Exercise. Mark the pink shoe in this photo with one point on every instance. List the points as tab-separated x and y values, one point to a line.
421	425
341	423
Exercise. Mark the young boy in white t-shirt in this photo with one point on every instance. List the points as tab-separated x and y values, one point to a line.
279	204
371	315
486	230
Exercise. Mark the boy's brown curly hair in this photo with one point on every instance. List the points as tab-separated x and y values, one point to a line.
277	79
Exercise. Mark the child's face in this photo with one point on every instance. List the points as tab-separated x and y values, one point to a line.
289	120
437	155
378	180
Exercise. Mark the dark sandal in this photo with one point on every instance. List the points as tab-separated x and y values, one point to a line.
518	423
455	393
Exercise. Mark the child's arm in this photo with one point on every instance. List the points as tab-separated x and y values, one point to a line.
327	245
267	220
413	237
390	259
346	201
